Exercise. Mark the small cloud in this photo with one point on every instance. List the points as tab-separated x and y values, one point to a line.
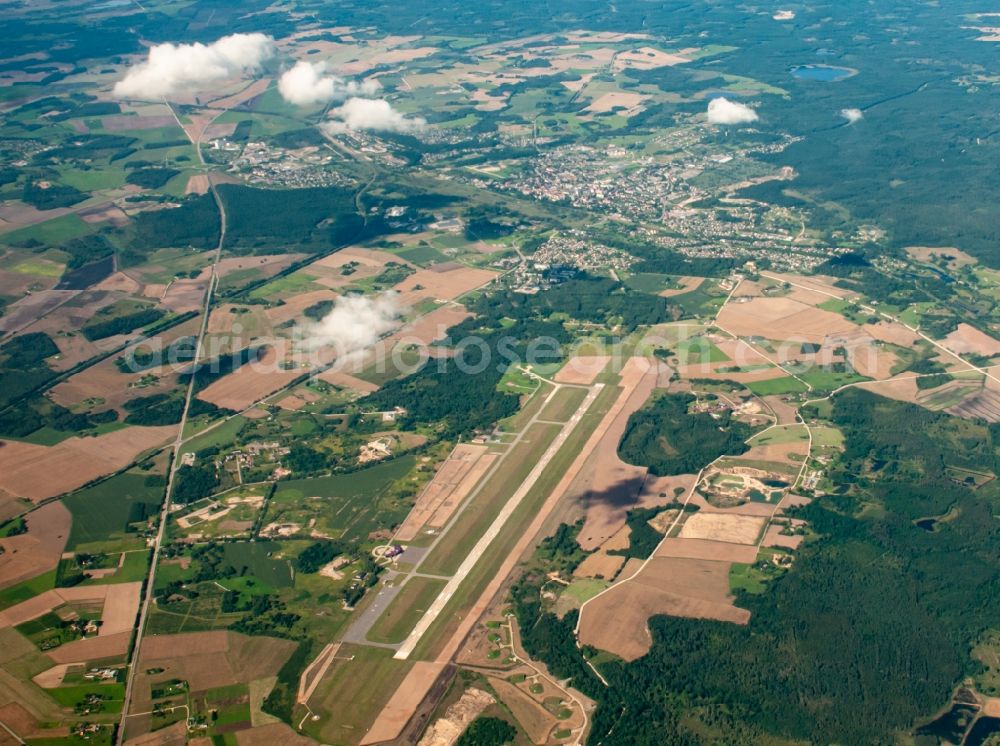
308	83
723	111
852	115
784	15
175	68
355	323
371	114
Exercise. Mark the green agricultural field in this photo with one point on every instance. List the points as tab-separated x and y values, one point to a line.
405	610
826	436
351	505
585	589
746	578
651	282
105	512
785	385
789	434
27	589
700	350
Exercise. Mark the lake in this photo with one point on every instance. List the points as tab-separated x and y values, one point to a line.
822	73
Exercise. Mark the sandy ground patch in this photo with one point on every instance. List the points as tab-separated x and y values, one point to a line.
442	285
451	484
36	472
446	730
782	318
38	550
737	529
403	702
687	284
705	549
968	339
616	620
254	381
582	369
599	565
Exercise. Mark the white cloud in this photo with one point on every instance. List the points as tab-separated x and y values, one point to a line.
852	115
355	323
784	15
307	84
371	114
176	68
723	111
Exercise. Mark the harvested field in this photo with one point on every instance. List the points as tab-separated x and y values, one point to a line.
774	538
647	58
630	102
211	659
822	283
536	721
704	549
185	295
621	540
197	184
873	361
255	88
294	306
606	486
252	322
431	326
270	734
956	258
23	312
599	565
968	339
92	648
125	122
616	620
121	607
346	381
779	451
403	702
981	402
687	284
442	285
900	388
892	332
36	472
452	483
782	318
264	265
737	529
38	550
783	411
582	369
252	382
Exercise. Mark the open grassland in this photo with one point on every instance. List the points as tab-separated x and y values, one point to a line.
353	692
404	611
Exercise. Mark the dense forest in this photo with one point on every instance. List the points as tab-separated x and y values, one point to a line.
866	635
664	437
